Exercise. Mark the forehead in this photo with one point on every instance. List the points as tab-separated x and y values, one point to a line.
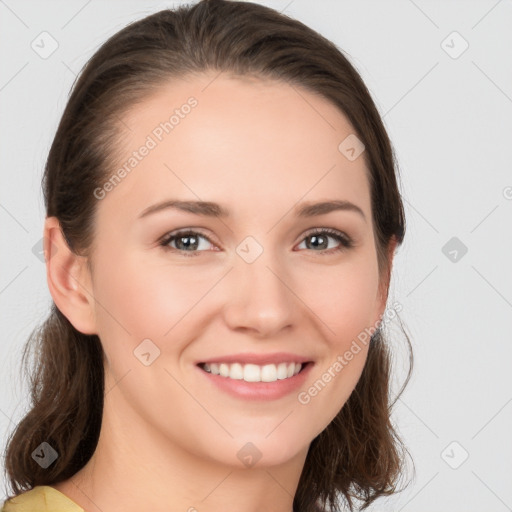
235	140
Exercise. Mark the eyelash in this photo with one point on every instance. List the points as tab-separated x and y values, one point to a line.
345	241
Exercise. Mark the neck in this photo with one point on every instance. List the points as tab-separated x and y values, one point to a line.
135	467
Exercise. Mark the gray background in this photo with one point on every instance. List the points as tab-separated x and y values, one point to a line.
449	116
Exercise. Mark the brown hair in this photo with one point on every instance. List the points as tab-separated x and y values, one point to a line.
359	454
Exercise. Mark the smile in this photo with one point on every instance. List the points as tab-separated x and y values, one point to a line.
253	372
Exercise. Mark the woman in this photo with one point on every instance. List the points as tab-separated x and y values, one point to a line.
222	215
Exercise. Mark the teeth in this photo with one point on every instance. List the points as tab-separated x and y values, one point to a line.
254	372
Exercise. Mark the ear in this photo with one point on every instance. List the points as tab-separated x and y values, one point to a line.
384	285
69	279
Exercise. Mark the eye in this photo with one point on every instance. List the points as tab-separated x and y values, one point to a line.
186	241
320	237
189	241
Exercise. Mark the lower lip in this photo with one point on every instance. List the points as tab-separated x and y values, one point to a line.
239	388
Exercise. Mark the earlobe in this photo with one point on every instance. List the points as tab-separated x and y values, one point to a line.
68	279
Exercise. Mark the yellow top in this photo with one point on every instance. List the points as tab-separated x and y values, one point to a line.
41	498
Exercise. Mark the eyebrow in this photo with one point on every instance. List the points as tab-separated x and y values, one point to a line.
210	209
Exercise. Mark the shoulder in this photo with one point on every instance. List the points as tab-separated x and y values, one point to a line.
41	498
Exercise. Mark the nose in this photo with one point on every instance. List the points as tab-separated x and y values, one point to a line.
260	298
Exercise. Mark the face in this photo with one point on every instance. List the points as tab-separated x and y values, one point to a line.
175	287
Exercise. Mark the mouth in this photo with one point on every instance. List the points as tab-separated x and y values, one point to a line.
256	373
257	377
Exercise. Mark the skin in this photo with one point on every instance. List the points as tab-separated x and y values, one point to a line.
169	440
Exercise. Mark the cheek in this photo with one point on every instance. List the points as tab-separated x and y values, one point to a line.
347	317
342	297
344	302
143	294
353	305
142	298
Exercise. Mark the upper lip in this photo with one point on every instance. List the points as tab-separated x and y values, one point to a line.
259	359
